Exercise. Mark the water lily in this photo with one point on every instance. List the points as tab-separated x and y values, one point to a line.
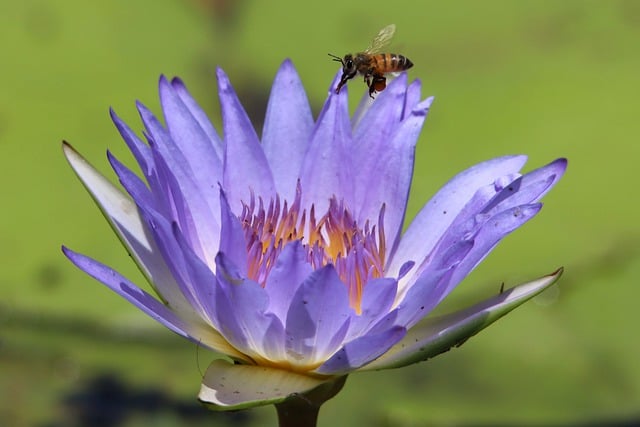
285	253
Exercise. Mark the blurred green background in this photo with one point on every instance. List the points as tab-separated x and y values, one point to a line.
545	78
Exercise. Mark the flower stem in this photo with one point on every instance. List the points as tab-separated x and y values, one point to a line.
301	410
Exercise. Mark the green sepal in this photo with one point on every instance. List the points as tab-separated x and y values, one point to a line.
437	335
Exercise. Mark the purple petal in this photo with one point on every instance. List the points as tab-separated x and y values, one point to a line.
287	127
163	235
189	209
241	312
140	150
361	351
438	214
199	115
201	279
488	237
193	142
456	262
136	296
412	98
160	229
190	328
318	317
325	171
246	168
232	238
391	161
288	273
529	188
377	299
131	182
380	119
426	292
505	193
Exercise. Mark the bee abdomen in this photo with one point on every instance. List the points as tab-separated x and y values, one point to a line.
400	62
391	62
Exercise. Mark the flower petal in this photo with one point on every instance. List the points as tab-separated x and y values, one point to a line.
488	237
326	170
428	289
438	214
226	386
290	270
318	317
287	126
390	161
377	300
242	314
439	334
380	118
246	168
199	115
123	216
140	150
232	239
361	351
194	143
200	334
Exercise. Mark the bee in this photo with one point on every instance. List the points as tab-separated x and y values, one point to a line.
372	64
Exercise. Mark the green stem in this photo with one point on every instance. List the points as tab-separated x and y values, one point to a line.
301	410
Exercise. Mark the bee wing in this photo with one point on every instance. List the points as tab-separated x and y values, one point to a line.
382	39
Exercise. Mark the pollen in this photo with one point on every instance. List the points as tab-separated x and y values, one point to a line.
356	252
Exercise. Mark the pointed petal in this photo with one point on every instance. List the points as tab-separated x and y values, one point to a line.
361	351
123	216
291	269
438	214
242	313
201	280
200	334
140	150
199	115
494	230
287	128
381	117
318	316
412	98
231	387
377	300
232	240
430	287
439	334
325	171
245	166
187	205
194	143
528	188
391	162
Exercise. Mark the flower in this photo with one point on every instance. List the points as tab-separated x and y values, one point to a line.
285	253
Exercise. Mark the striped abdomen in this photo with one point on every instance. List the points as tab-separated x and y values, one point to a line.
390	62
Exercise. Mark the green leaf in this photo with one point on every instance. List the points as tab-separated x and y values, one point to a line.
437	335
230	387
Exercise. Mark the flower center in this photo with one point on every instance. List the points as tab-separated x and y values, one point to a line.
357	253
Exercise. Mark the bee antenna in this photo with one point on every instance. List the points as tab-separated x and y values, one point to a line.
335	58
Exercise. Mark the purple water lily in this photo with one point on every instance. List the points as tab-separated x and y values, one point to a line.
285	252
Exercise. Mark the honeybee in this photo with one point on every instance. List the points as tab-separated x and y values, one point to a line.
372	64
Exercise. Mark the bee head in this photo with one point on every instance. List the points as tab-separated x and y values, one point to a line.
348	66
349	69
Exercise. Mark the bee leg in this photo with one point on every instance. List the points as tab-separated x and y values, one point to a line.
377	85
